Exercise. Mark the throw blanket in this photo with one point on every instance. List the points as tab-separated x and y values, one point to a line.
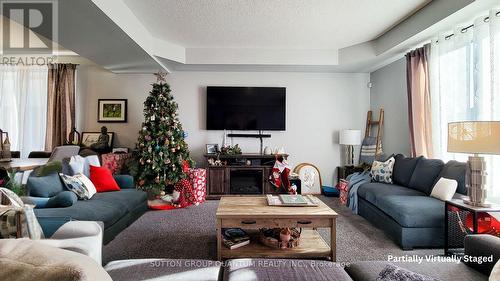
355	181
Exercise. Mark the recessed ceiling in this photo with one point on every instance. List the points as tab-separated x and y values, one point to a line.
283	24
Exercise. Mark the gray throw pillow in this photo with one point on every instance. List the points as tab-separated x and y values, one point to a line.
396	273
62	200
456	171
46	186
403	169
425	174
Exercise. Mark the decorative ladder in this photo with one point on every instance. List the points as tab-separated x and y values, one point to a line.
369	123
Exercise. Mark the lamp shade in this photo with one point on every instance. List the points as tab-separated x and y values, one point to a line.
350	137
475	137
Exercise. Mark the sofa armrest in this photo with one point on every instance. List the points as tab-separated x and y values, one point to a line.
51	224
84	237
125	181
39	202
482	246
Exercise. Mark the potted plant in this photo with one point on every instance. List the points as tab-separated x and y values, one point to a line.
13	185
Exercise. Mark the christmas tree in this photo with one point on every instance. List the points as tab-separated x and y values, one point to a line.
162	153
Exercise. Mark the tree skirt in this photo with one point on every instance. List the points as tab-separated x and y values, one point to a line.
159	204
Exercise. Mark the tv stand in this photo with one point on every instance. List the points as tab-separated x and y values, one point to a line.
243	174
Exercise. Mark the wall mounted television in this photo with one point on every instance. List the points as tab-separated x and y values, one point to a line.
246	108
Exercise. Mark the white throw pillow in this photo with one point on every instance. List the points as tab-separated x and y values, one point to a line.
444	189
81	165
80	185
88	184
382	171
76	163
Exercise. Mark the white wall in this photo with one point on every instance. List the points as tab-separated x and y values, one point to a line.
318	106
389	92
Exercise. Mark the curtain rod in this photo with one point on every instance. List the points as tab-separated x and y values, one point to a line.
463	30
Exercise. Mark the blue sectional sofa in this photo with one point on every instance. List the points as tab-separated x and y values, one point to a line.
404	209
115	209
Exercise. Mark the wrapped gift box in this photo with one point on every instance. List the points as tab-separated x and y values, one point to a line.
115	162
198	179
343	187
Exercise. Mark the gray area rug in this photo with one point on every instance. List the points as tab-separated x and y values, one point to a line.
190	233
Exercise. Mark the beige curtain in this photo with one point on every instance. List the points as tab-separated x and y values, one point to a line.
419	101
60	104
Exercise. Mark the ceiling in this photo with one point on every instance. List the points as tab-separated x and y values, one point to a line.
142	36
283	24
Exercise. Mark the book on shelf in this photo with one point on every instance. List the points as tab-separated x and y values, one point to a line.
234	238
234	245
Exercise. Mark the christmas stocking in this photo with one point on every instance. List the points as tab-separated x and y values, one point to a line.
279	175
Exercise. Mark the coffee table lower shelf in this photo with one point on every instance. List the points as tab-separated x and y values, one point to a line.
312	246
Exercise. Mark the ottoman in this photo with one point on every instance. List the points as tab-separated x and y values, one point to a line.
283	270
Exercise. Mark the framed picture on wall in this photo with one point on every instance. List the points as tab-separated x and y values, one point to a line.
112	110
89	138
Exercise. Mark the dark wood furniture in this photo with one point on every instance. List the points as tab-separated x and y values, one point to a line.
245	170
455	222
344	171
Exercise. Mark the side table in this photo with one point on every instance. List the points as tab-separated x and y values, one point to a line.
459	218
344	171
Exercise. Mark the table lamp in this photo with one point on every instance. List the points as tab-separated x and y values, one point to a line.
350	138
475	137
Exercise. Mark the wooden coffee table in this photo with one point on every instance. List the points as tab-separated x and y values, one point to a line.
253	213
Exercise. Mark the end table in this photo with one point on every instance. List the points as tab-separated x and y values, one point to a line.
344	171
455	224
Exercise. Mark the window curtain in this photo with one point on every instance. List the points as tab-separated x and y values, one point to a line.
419	102
60	104
23	106
465	84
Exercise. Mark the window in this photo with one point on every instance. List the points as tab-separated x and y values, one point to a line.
465	85
23	106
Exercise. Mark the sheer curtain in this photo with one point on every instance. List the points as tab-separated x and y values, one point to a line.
465	85
23	106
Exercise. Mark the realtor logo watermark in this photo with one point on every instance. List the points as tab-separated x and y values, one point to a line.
29	29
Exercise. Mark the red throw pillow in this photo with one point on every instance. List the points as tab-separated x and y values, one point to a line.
103	180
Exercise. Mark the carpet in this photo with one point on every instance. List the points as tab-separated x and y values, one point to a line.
189	233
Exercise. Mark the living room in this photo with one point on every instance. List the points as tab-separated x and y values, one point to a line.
250	140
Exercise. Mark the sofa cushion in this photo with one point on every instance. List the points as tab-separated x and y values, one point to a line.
87	210
126	198
46	186
456	171
163	269
413	211
61	200
373	191
280	269
403	169
425	174
369	270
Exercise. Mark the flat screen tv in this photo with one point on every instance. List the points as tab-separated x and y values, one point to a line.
246	108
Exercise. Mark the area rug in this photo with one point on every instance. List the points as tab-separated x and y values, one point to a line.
189	233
